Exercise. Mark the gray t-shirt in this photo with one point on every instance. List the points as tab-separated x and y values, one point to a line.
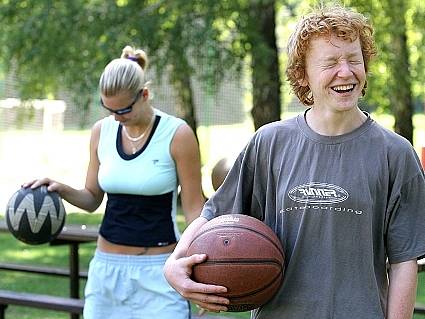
341	205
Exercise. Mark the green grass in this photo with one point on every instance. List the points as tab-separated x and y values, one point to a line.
215	142
14	251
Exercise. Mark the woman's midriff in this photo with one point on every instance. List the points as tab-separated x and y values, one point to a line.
108	247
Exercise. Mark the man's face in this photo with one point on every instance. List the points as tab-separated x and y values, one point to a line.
335	73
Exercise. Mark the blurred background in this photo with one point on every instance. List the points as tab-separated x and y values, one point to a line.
218	64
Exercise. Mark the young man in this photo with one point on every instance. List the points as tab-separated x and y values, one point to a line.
344	195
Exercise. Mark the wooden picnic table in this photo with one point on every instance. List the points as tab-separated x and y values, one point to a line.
73	236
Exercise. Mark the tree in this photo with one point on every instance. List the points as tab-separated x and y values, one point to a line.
221	34
66	44
401	97
53	45
396	78
265	63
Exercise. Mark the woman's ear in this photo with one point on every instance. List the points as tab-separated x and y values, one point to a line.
145	93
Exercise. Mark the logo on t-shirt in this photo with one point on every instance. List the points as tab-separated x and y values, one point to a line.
318	193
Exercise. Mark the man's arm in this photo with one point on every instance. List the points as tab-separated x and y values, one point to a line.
402	290
178	269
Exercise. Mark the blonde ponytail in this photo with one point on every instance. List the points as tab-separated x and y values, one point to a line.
123	74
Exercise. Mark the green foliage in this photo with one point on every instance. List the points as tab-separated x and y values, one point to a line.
72	41
382	84
54	45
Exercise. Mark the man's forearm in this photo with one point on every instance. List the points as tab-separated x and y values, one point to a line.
402	290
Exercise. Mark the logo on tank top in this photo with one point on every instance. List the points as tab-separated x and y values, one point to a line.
318	193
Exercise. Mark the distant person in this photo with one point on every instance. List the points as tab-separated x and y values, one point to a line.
220	171
344	195
139	156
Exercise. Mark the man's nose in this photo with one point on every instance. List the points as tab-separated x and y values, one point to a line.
344	69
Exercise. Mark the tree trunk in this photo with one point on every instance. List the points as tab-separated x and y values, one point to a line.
84	103
184	95
265	65
401	93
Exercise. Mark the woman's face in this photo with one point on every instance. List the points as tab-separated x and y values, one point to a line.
121	105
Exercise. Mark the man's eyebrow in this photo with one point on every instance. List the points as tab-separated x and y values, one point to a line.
334	58
329	58
355	55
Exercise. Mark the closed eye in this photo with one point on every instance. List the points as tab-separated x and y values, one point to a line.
329	65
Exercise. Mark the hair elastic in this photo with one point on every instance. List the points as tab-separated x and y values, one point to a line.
133	59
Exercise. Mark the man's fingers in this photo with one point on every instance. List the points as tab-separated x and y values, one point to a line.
200	298
211	307
206	290
196	259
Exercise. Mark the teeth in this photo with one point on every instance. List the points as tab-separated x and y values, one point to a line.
343	87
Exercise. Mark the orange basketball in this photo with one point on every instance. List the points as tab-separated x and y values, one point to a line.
244	255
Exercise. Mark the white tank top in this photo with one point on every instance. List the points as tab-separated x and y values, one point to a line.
151	171
142	187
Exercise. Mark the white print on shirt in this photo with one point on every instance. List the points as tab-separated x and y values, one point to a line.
317	197
319	208
318	193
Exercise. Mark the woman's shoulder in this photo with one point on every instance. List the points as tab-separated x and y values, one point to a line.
166	117
104	125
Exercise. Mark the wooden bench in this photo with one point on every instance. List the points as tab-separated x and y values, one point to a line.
421	265
70	305
420	308
44	270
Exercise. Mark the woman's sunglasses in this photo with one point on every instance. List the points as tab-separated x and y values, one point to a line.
124	110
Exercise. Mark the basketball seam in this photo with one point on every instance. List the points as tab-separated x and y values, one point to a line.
244	261
241	227
280	274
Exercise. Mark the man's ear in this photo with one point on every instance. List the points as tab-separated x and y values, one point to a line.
303	81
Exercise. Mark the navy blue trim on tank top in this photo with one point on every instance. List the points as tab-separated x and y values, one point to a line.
139	220
120	148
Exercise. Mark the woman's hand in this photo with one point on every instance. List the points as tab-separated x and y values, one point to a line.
52	186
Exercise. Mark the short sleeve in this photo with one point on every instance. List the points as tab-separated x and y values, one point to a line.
239	192
405	234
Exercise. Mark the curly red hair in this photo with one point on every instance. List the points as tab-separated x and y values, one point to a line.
338	21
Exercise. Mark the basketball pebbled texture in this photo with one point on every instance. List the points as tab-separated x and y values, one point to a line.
35	216
244	255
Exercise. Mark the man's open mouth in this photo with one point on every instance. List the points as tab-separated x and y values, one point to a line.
343	88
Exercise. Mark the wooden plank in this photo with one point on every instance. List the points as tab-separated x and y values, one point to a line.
54	271
421	265
24	299
69	234
419	308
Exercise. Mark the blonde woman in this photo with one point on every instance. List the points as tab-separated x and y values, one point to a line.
138	156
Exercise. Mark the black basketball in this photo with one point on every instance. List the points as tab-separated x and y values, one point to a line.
35	216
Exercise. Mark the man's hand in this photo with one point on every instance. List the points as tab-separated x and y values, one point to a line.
177	271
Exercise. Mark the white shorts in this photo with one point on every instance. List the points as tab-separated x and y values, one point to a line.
128	286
